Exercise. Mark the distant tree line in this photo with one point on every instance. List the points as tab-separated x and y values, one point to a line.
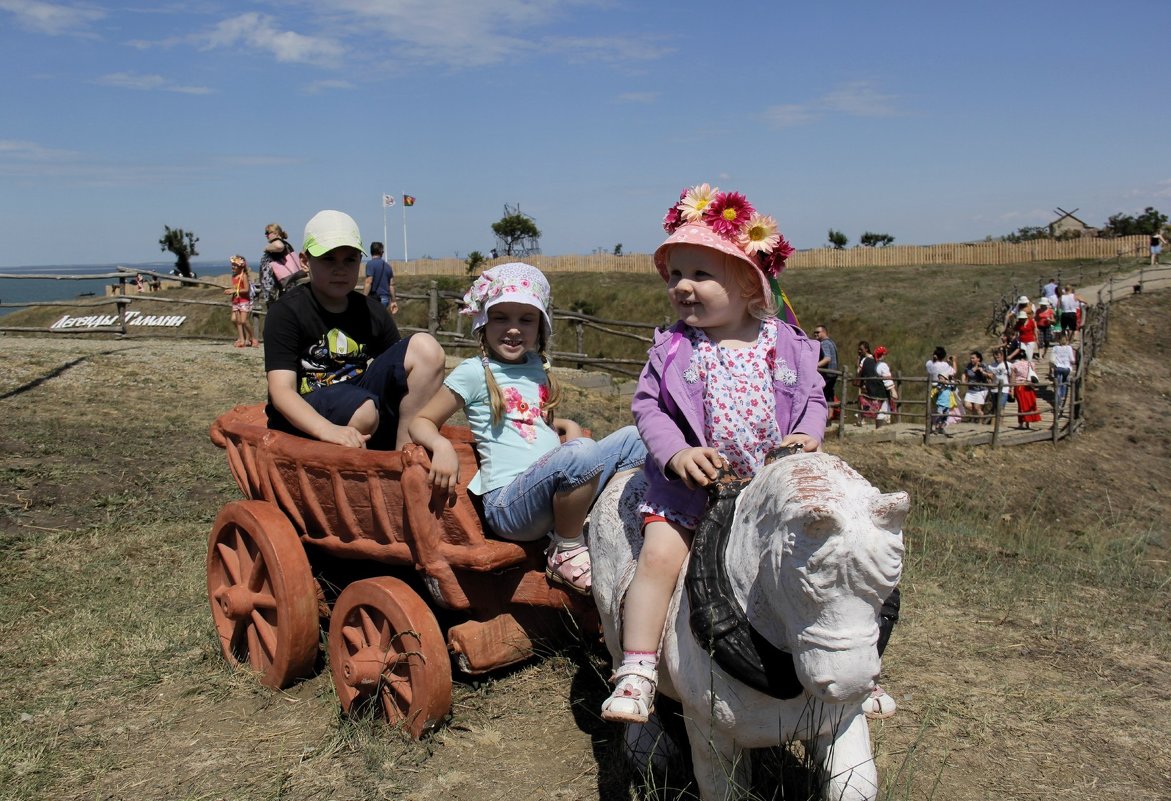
1149	222
869	239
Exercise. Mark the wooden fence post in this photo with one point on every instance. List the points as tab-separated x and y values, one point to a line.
579	331
927	413
997	409
433	308
122	302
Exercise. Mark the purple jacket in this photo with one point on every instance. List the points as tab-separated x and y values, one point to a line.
669	426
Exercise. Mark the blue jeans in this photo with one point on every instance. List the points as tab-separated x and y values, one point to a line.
523	509
1060	385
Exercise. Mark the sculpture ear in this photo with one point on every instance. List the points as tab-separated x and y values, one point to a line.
889	511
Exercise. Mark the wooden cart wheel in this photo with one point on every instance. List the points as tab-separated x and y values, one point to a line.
263	594
385	647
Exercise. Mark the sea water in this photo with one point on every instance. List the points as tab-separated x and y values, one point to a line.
34	290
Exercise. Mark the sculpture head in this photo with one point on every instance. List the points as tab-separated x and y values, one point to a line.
830	551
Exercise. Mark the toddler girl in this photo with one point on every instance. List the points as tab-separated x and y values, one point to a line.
241	293
723	387
529	482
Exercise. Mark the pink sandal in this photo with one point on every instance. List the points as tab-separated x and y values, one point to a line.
570	568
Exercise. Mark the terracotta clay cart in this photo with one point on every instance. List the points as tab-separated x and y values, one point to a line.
311	500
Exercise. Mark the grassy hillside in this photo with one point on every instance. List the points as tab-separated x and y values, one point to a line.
1032	658
908	309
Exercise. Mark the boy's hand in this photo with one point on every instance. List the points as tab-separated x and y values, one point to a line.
806	442
698	467
444	473
345	435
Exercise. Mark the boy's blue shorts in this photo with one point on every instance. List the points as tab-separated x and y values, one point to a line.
384	382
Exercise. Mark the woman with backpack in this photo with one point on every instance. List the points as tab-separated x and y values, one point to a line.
280	264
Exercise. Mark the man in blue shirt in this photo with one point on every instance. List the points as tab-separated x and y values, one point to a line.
827	365
380	278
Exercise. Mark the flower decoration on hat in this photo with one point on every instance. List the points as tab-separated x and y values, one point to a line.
733	218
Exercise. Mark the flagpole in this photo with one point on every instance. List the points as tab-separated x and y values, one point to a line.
384	242
405	230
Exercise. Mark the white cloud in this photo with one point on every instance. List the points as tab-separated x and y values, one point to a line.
22	151
638	97
260	31
789	115
53	19
460	34
859	99
148	83
854	99
321	87
607	48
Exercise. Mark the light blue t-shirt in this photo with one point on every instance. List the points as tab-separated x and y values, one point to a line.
508	449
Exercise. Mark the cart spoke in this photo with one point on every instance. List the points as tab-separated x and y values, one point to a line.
264	600
237	638
230	560
255	652
353	637
397	694
258	574
369	629
266	633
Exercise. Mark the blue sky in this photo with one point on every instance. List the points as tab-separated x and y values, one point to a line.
930	121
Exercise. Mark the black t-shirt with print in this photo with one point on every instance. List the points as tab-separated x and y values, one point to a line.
324	347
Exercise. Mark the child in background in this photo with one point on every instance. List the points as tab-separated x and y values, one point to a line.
530	483
241	293
724	386
944	398
1045	319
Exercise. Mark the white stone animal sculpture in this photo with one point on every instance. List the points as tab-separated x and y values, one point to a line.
813	551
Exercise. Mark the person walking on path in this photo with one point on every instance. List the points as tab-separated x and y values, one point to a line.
872	396
1157	243
1061	362
1070	304
1020	374
977	380
827	365
380	278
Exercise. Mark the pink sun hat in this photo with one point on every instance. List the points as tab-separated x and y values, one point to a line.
728	223
699	234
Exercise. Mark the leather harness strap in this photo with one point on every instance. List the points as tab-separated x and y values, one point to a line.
717	621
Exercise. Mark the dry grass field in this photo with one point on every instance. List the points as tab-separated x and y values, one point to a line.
1032	660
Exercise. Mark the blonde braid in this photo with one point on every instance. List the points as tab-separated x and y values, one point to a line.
495	399
551	381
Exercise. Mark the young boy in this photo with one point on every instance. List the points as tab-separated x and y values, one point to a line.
338	371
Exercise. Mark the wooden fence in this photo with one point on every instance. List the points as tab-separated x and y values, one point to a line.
973	253
915	393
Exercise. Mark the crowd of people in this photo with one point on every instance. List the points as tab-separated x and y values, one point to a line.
1036	339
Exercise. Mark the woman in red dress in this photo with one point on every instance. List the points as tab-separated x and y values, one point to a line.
1023	392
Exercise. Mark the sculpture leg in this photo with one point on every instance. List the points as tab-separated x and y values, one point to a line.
722	770
848	764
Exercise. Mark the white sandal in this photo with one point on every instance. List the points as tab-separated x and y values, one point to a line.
633	699
879	705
